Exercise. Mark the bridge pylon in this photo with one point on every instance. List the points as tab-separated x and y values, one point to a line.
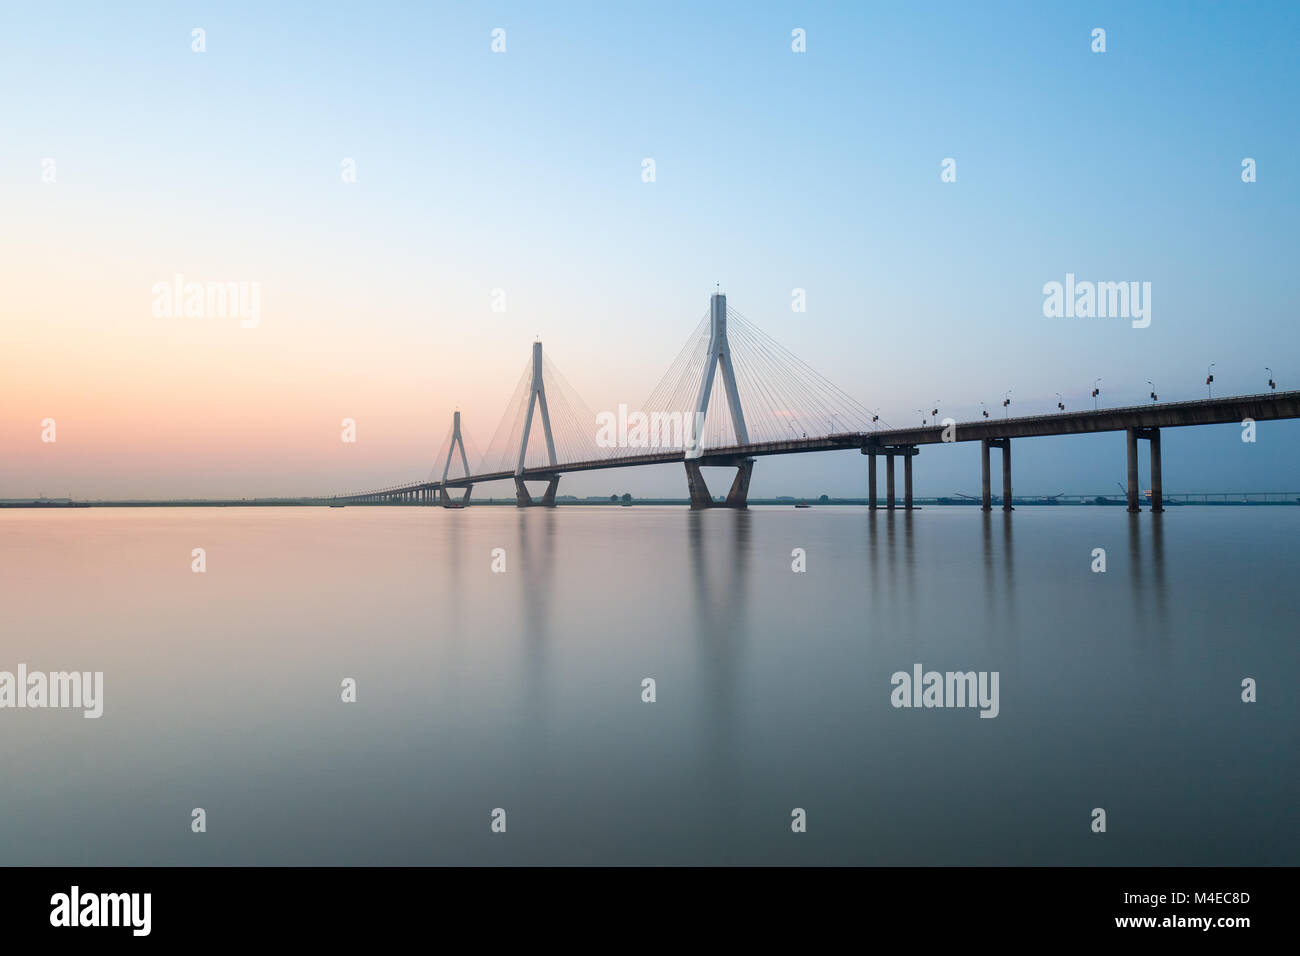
719	356
456	442
536	401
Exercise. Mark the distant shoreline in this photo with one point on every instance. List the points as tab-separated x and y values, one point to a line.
1219	499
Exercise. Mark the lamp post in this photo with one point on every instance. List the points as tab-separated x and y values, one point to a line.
1271	384
1096	390
1006	403
1154	396
1060	402
1209	380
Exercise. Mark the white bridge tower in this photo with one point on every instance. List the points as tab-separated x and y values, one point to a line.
456	442
536	400
719	355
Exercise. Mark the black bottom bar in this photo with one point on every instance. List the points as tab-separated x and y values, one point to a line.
925	905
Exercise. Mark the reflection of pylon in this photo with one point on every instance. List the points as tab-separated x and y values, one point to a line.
719	354
456	441
536	399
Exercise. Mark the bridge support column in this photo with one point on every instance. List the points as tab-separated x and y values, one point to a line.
737	496
1132	435
695	485
907	480
1152	435
1006	475
1157	483
873	451
447	501
524	500
986	491
871	480
986	494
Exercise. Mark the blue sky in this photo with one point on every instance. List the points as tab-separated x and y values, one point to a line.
775	171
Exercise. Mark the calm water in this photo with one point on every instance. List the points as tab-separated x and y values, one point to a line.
522	690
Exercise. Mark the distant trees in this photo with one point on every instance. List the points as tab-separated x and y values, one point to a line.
613	498
627	498
824	499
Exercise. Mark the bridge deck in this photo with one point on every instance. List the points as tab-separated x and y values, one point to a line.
1209	411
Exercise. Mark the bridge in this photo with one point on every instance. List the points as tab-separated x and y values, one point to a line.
771	404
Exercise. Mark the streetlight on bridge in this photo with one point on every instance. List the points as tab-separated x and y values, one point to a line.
1006	402
1271	384
1154	396
1060	402
1096	390
1209	380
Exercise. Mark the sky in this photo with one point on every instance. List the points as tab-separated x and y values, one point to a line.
485	178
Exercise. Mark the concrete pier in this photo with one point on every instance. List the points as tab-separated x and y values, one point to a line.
1132	438
525	500
737	495
1152	436
871	480
986	493
447	501
1157	485
907	479
1006	475
873	451
889	479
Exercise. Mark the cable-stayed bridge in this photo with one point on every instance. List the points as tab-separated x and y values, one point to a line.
733	395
